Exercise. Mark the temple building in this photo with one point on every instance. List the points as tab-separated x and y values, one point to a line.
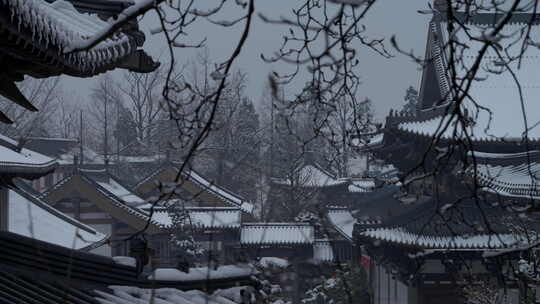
194	188
466	207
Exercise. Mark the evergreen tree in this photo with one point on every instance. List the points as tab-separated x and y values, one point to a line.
347	287
411	101
246	144
125	130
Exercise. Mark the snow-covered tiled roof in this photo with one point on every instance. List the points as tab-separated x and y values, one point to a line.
34	218
361	185
120	191
118	202
220	192
465	224
342	220
494	99
223	194
59	24
14	160
311	176
113	198
403	237
369	142
202	217
63	150
277	233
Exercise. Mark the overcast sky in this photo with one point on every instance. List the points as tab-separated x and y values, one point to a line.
383	80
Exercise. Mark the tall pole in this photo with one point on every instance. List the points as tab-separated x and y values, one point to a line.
105	146
81	152
272	126
117	133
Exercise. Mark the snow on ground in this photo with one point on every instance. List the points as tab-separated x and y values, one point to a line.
203	273
273	262
42	222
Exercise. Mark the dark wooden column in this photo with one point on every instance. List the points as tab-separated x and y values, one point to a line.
4	209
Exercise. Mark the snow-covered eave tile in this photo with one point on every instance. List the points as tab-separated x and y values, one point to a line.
476	242
496	181
59	24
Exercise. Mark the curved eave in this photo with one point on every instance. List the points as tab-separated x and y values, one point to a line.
38	53
424	242
525	194
105	8
27	171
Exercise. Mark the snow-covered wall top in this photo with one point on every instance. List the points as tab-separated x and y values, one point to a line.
277	233
202	217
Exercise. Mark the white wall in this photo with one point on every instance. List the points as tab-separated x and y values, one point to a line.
387	290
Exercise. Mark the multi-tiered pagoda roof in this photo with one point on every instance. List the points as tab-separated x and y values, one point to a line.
492	127
468	157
